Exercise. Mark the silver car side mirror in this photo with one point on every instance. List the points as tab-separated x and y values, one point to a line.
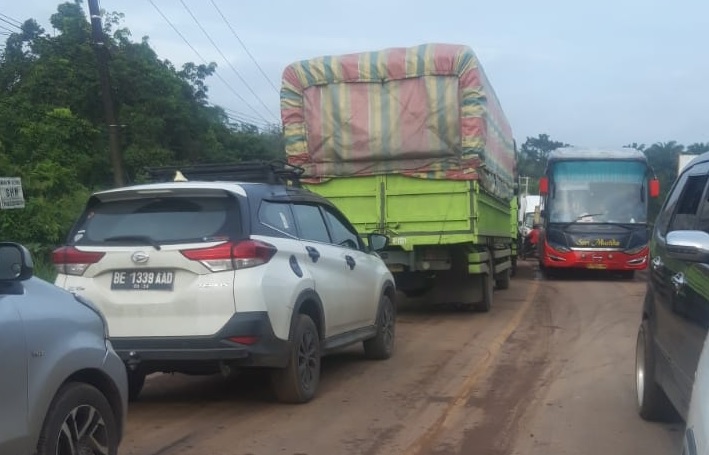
15	262
690	246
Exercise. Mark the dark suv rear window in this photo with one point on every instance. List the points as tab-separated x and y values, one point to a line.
159	219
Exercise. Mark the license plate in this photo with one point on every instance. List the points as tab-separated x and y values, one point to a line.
395	267
143	280
597	266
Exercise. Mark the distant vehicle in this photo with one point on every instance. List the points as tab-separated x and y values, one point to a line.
675	314
63	390
231	269
529	209
420	151
683	160
595	210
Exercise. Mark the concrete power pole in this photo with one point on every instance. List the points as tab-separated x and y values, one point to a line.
109	112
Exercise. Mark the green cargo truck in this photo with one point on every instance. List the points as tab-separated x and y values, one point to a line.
412	142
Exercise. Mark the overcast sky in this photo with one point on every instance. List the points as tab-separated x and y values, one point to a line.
590	73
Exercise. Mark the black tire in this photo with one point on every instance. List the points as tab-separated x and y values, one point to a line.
298	381
136	381
90	420
652	401
382	345
503	280
513	269
627	274
550	273
488	283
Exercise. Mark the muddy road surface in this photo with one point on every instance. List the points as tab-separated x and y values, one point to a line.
550	370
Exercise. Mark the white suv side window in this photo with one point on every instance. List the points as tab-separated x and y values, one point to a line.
311	223
341	234
278	216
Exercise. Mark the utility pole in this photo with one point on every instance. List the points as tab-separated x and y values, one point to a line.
109	112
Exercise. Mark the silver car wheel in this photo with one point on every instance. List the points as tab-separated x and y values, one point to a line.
83	433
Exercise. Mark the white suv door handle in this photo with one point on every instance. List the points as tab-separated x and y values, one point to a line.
313	253
678	281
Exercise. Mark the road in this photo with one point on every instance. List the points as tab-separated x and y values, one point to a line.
550	370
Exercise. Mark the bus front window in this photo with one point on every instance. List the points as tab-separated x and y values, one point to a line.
598	192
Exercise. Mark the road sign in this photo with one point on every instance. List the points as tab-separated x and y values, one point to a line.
11	196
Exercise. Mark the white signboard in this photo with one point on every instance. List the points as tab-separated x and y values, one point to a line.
11	196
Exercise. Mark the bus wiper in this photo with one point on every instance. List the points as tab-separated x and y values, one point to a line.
586	215
138	238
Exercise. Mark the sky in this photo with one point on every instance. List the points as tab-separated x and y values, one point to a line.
602	73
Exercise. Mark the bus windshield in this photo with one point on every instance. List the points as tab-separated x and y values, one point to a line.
598	192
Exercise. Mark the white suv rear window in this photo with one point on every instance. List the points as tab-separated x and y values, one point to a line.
171	219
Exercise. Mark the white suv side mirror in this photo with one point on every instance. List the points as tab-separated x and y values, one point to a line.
377	242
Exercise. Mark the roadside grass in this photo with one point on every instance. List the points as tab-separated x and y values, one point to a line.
44	269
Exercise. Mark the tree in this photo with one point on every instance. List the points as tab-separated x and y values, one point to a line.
636	146
698	148
52	132
663	158
532	159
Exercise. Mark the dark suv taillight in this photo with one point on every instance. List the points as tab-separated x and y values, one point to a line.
232	255
70	261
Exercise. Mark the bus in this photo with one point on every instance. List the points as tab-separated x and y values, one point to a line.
594	213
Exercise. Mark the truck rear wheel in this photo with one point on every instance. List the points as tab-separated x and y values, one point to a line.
488	282
502	281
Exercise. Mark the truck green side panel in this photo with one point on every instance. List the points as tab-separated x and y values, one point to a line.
417	212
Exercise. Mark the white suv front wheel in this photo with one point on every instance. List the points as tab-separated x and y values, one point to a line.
382	345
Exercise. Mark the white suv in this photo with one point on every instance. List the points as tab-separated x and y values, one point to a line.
208	276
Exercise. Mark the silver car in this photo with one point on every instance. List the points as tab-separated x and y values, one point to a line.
63	390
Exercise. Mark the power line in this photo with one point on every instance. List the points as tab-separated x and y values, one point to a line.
245	48
8	18
244	117
246	121
10	24
5	29
242	114
227	60
238	121
204	60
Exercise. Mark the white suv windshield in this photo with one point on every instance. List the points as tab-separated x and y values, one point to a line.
159	219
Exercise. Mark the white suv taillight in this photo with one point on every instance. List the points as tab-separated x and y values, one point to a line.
70	261
231	256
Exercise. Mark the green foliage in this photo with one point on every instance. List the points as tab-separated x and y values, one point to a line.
532	159
664	159
53	133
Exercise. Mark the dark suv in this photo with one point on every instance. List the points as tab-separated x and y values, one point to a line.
676	310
